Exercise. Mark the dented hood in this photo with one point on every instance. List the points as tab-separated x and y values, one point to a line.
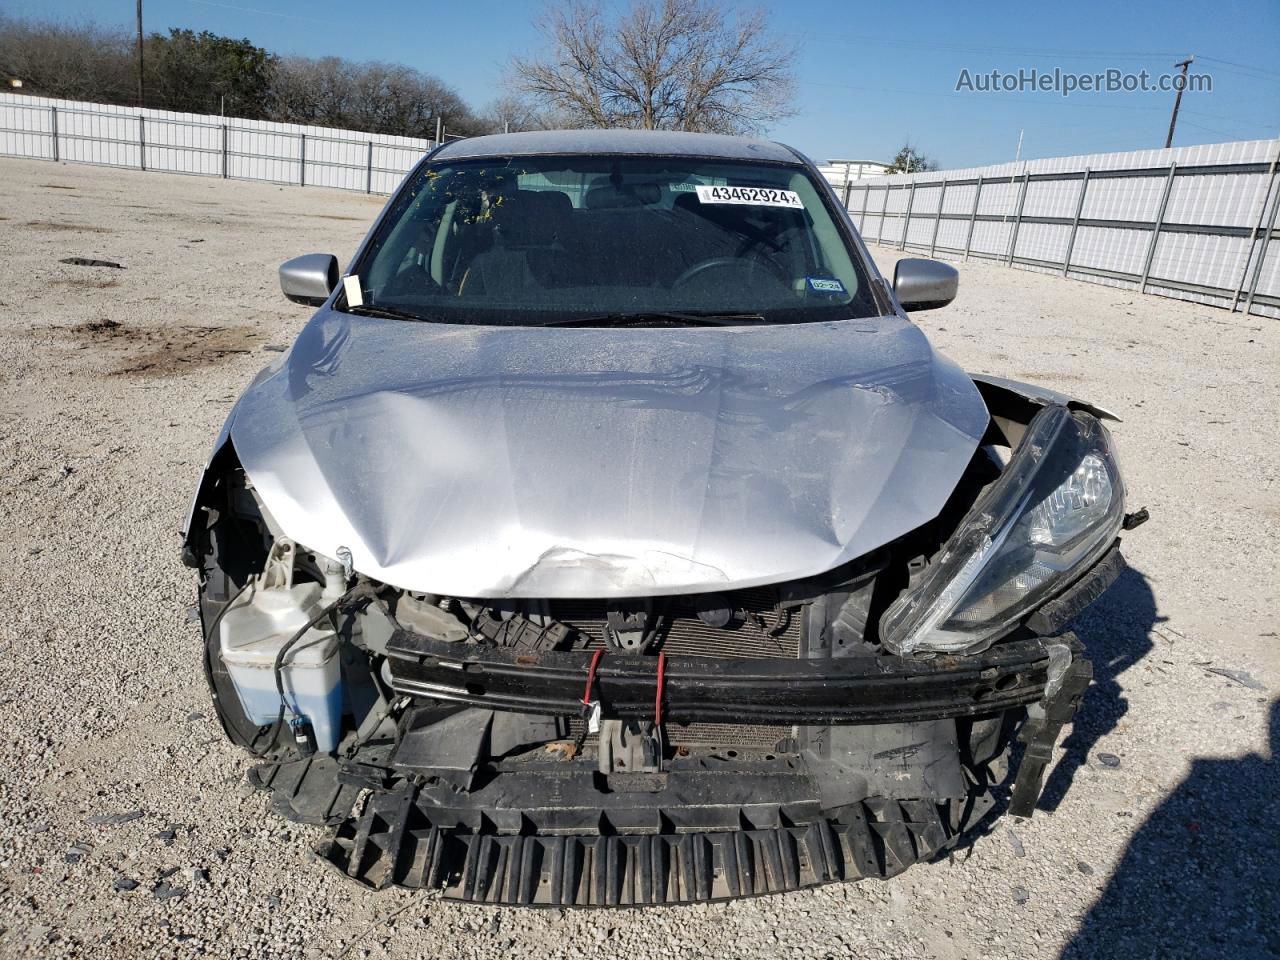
570	462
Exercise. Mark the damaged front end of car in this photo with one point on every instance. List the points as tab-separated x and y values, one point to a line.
681	747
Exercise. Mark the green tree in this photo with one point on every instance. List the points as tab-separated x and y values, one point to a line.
910	160
207	73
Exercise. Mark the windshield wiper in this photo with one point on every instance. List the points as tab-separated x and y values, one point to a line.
641	319
389	313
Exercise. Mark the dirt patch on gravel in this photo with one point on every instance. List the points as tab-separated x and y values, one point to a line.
149	352
55	227
84	283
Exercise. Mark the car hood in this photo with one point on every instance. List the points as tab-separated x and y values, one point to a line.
553	462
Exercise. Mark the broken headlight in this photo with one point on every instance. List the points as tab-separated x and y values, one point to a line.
1055	510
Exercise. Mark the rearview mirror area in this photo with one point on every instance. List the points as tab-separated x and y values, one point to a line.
925	284
309	279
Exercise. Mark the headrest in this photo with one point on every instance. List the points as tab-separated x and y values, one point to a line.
532	217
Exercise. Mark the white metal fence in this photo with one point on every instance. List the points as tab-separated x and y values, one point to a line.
1195	223
207	146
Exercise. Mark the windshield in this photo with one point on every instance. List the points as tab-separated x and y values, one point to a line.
544	240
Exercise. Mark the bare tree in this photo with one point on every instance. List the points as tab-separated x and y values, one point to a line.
513	113
78	61
373	97
662	65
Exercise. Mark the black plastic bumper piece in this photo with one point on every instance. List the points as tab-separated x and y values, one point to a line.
395	842
1064	608
882	689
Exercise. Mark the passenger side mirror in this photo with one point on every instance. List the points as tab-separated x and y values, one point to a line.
310	278
924	284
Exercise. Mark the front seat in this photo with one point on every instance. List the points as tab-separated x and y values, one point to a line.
528	249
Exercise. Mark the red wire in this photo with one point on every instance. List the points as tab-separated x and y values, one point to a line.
591	675
657	702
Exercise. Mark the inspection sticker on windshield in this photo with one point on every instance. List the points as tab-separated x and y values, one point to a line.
825	285
756	196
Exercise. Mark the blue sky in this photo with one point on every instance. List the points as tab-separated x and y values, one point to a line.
871	76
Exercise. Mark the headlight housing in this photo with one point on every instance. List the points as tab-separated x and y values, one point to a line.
1054	512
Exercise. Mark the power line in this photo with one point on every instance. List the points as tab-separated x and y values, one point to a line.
1243	66
265	13
968	48
1213	130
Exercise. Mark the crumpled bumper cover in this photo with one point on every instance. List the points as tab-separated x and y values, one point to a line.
542	834
538	832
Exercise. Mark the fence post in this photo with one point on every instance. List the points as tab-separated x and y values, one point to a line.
862	214
883	207
973	216
142	143
1155	232
906	223
53	126
942	198
1262	255
368	169
302	160
1272	184
1017	218
1075	223
848	187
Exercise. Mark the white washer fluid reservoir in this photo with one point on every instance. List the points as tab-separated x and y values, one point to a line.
250	637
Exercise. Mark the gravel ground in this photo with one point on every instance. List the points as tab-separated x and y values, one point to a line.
127	828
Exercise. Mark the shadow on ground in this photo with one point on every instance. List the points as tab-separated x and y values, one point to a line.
1116	632
1201	877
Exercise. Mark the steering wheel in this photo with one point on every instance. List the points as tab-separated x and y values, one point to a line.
724	263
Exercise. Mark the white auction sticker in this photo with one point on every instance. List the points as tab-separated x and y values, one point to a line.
756	196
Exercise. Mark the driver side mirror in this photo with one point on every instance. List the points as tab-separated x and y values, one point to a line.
924	284
310	278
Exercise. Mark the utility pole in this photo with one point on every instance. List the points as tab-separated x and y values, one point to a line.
1177	101
141	102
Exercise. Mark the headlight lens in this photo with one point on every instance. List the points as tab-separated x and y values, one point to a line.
1054	511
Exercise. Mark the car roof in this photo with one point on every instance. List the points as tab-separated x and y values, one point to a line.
642	142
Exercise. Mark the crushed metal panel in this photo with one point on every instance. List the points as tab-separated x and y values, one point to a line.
1043	395
575	463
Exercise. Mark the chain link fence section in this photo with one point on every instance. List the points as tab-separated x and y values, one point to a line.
1193	223
160	140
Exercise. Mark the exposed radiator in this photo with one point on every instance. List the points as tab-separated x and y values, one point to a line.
756	630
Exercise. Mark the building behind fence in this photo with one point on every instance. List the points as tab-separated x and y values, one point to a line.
207	146
1195	223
